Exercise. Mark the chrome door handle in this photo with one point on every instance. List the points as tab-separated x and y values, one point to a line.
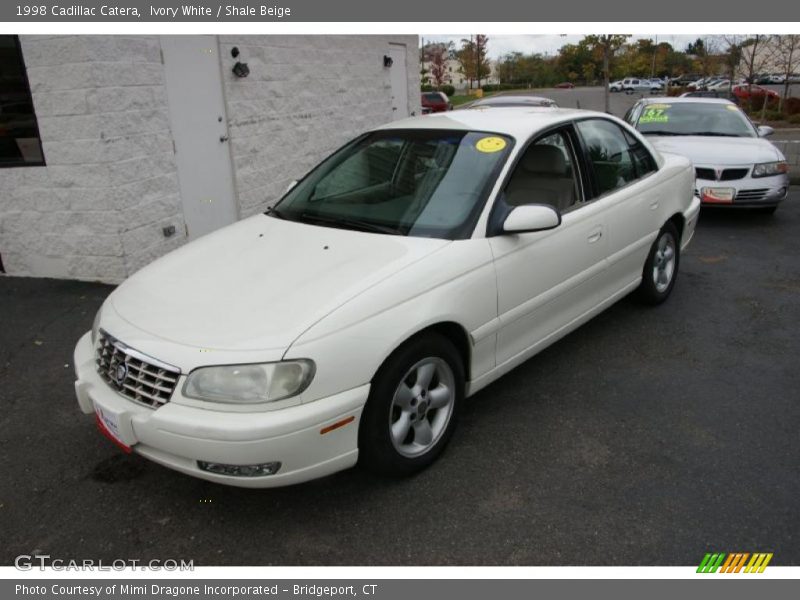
595	236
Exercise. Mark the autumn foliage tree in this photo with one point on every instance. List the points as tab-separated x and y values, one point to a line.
473	58
606	46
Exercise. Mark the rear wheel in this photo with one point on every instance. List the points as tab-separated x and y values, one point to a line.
412	407
661	266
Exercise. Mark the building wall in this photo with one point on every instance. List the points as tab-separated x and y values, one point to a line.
94	211
97	210
305	97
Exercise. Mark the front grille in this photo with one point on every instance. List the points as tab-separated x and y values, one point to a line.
134	375
731	174
745	195
725	175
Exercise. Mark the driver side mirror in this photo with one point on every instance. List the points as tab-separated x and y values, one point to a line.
531	217
765	130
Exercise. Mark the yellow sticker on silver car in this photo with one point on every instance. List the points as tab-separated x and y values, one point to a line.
490	144
655	113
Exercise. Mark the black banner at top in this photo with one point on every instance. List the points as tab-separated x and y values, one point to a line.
402	11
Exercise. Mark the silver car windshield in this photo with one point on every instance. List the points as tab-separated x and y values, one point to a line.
423	183
695	118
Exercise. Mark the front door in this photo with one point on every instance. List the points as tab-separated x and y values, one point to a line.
546	280
399	77
200	131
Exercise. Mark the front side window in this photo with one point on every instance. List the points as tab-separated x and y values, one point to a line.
609	152
545	174
423	183
19	132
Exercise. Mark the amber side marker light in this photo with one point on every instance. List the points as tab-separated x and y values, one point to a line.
337	425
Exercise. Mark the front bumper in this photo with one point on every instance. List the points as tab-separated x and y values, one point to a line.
748	192
177	436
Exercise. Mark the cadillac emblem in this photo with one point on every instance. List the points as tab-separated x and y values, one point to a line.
121	374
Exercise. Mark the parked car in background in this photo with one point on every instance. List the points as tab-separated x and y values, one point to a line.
734	165
615	86
719	84
506	100
683	80
747	92
631	85
435	102
565	85
724	94
407	271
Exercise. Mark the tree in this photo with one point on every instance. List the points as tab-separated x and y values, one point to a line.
606	46
787	58
473	58
435	56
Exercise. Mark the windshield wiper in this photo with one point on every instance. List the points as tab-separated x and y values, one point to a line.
714	134
662	132
346	222
275	213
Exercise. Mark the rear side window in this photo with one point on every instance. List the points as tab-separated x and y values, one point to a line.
617	158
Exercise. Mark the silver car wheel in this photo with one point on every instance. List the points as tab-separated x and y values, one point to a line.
422	407
664	262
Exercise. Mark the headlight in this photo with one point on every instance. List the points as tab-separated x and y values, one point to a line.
249	384
770	168
96	325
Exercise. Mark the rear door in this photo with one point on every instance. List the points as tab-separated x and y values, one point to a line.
625	182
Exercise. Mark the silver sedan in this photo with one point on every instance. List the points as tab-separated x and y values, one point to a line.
734	165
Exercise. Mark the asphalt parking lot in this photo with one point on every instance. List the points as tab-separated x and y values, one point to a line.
647	437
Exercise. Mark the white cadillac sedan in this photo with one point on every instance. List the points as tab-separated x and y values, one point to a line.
734	165
410	269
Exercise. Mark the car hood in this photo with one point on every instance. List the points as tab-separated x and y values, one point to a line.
708	150
260	283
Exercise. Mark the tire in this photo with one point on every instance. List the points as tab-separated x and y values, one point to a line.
661	267
393	437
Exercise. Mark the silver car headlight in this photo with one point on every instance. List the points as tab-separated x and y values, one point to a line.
770	168
250	384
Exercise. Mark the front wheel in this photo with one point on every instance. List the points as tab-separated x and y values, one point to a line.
661	267
412	407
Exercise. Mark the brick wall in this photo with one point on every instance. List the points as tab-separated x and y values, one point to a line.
97	210
305	96
110	174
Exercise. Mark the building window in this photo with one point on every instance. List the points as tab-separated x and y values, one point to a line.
19	133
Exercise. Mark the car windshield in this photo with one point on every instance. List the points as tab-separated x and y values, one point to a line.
695	118
433	97
422	183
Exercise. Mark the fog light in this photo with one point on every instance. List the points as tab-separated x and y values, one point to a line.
269	468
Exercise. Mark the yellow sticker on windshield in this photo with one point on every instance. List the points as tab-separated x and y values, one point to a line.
654	115
661	106
490	144
731	107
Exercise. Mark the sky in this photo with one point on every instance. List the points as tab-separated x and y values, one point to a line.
549	44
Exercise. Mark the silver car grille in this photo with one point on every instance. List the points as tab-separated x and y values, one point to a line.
752	194
132	374
745	195
724	174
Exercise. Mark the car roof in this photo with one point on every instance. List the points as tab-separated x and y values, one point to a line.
519	99
515	121
687	100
